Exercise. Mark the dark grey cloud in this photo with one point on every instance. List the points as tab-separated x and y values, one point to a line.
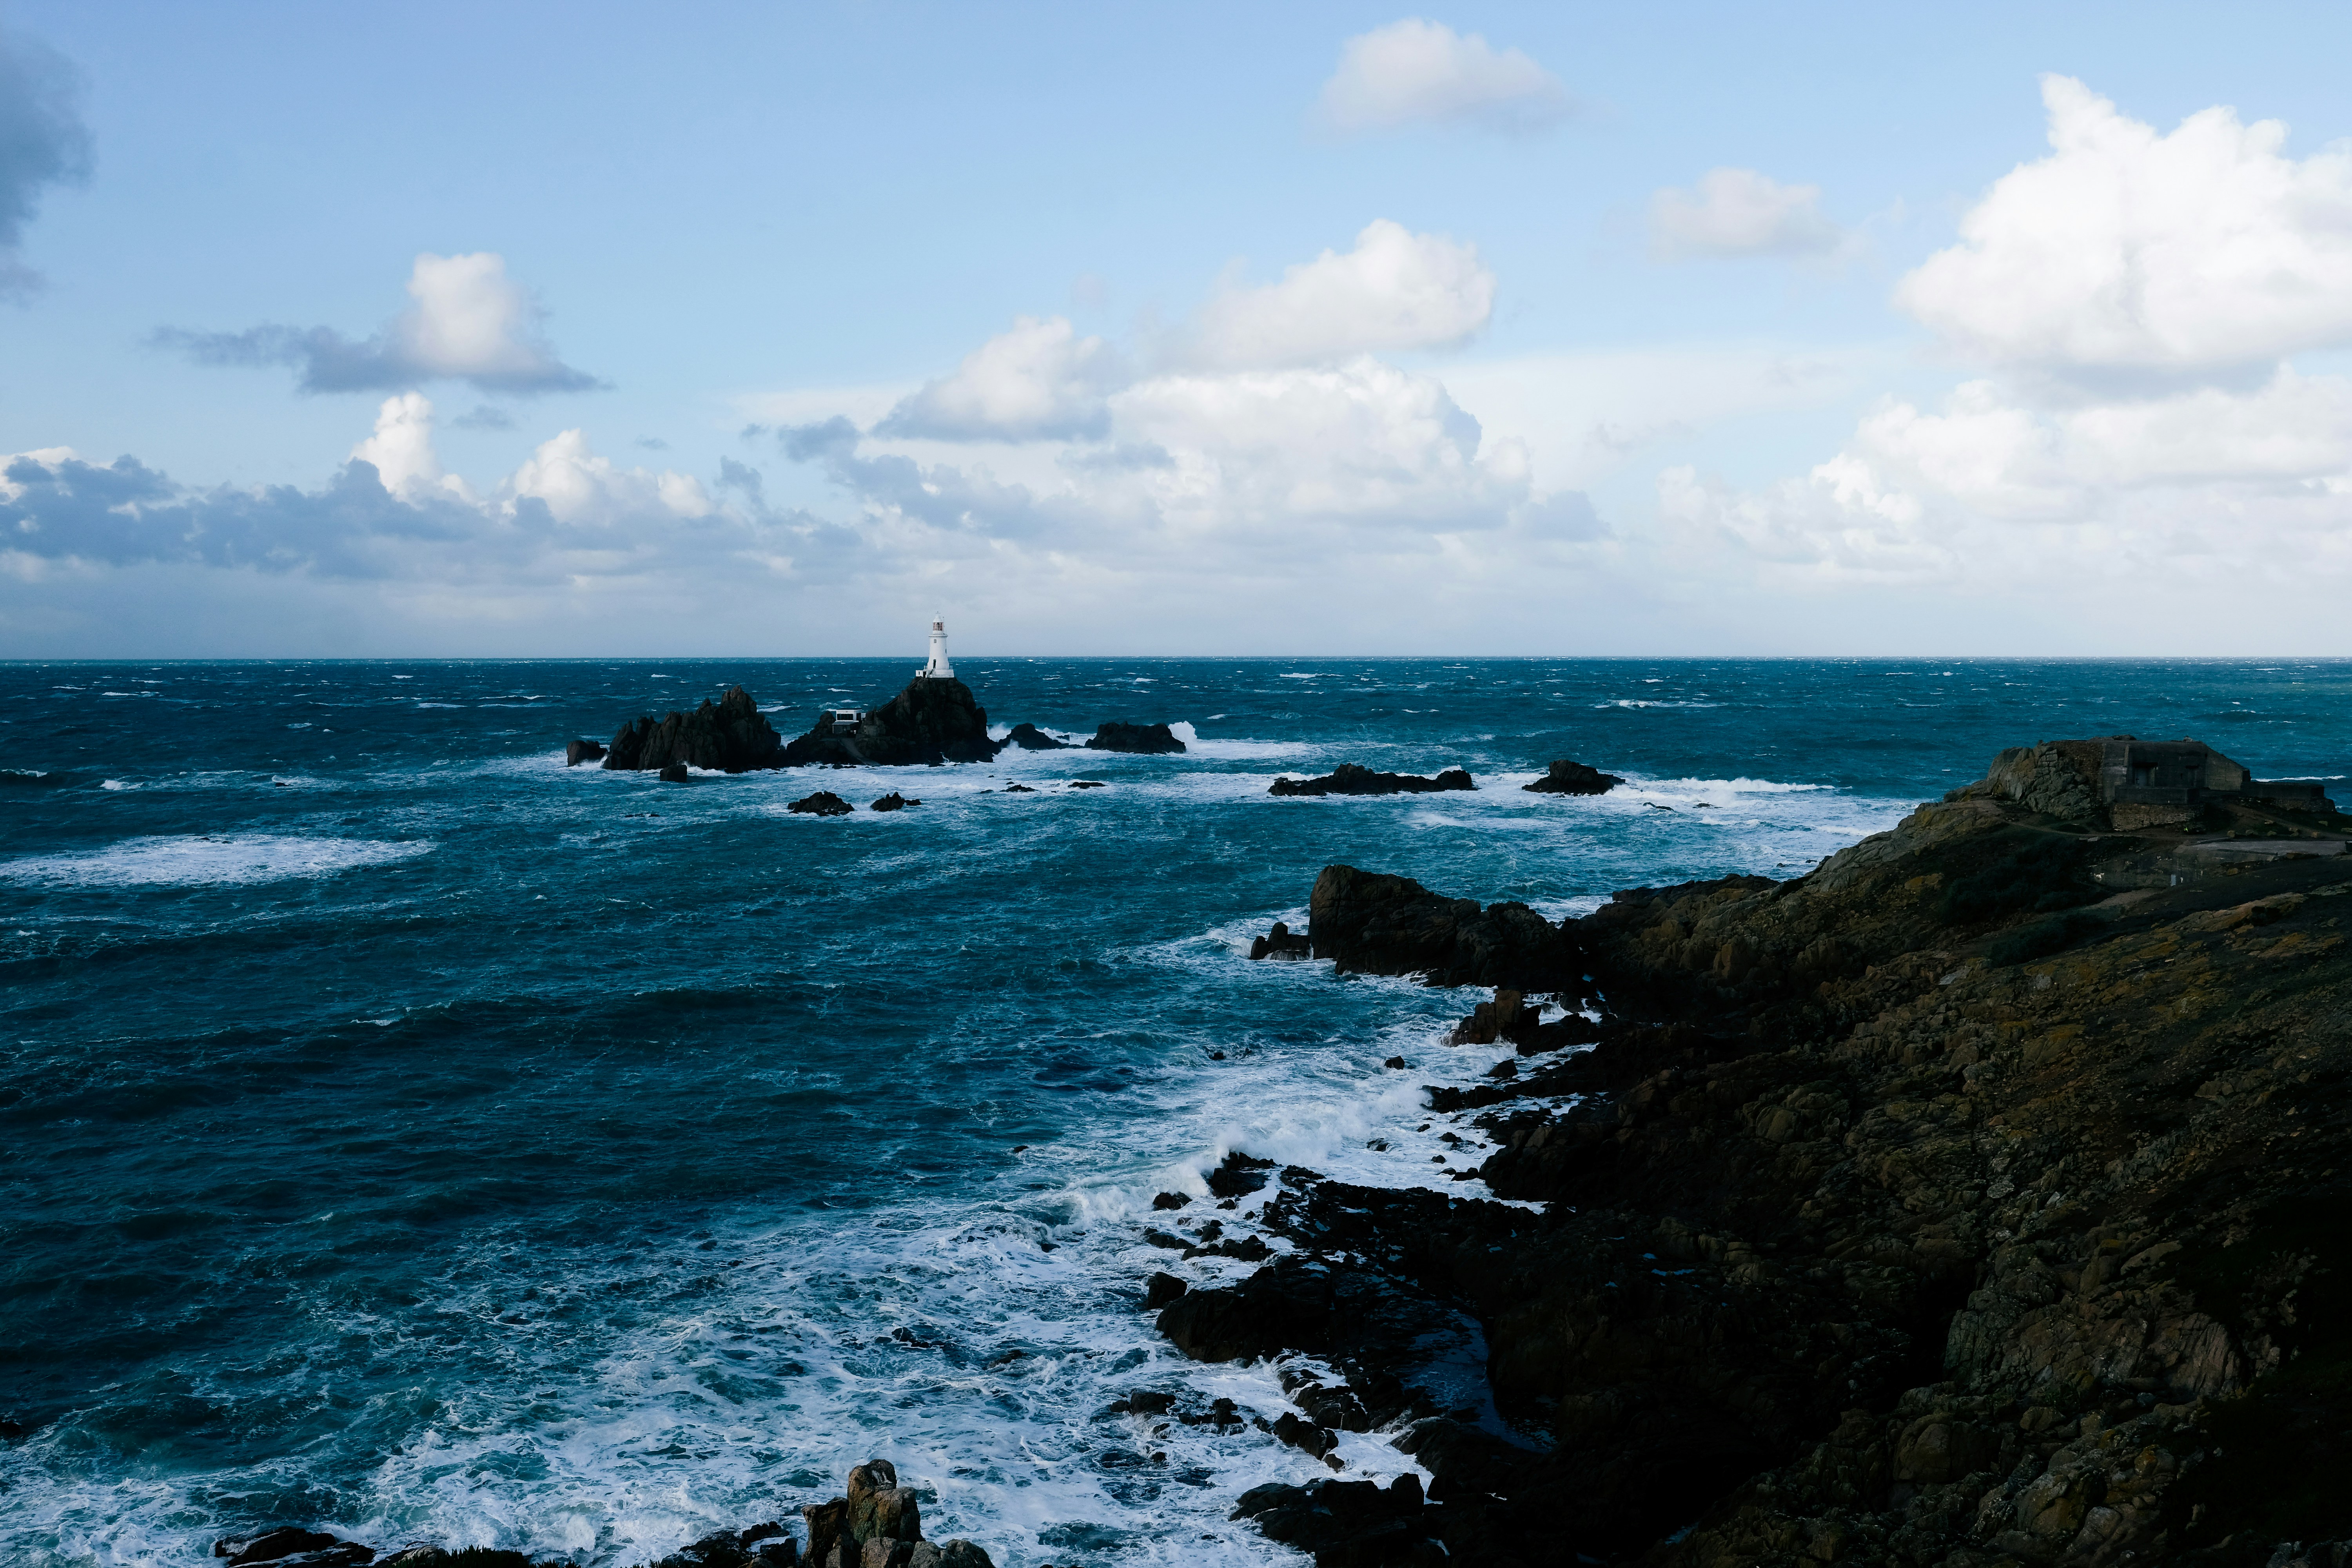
43	143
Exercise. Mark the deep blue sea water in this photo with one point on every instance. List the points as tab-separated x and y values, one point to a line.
405	1135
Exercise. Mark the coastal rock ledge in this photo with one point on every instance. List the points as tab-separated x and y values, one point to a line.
1977	1200
877	1524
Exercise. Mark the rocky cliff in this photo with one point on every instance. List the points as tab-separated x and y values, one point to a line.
933	720
1977	1199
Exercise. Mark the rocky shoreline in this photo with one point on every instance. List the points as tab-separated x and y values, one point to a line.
1976	1199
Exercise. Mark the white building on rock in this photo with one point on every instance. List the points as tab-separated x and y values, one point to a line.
939	669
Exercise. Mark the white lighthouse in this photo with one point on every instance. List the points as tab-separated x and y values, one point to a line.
939	669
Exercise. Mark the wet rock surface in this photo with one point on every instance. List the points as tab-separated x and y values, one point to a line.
1281	941
1143	740
1372	923
933	720
1976	1199
824	803
1030	738
1354	778
876	1524
730	735
1569	777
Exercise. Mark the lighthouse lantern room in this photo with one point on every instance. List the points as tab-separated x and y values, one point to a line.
939	669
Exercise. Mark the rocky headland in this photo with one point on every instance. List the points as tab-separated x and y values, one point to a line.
1354	778
1979	1198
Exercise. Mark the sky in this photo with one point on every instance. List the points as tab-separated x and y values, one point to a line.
776	329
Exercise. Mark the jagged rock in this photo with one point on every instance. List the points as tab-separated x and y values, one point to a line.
674	772
1371	924
1238	1175
894	801
878	1525
1030	738
1146	740
578	751
1569	777
824	803
933	720
1507	1017
1280	943
1354	778
1161	1290
730	735
1018	789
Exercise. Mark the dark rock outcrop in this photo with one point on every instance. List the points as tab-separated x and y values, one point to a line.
1030	738
1373	923
1143	740
1280	943
894	801
1974	1199
877	1525
933	720
730	735
1354	778
578	751
1568	777
824	803
675	773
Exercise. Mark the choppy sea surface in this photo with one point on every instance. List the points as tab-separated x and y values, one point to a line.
405	1135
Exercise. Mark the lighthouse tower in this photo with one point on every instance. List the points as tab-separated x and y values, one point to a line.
937	668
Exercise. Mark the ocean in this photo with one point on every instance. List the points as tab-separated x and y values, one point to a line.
405	1135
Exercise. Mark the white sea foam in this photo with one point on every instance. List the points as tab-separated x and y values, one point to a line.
198	860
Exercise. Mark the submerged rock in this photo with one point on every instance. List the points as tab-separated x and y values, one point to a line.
1354	778
1568	777
1030	738
730	735
1143	740
934	720
824	803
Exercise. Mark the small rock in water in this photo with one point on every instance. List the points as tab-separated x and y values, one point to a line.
824	803
1143	740
1569	777
1280	943
1354	778
673	773
1396	1062
1018	789
1085	784
578	751
894	801
1030	738
1170	1201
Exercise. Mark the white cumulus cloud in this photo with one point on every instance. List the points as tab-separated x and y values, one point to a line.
400	448
580	487
1041	380
2127	248
1738	212
466	321
1415	71
1396	290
